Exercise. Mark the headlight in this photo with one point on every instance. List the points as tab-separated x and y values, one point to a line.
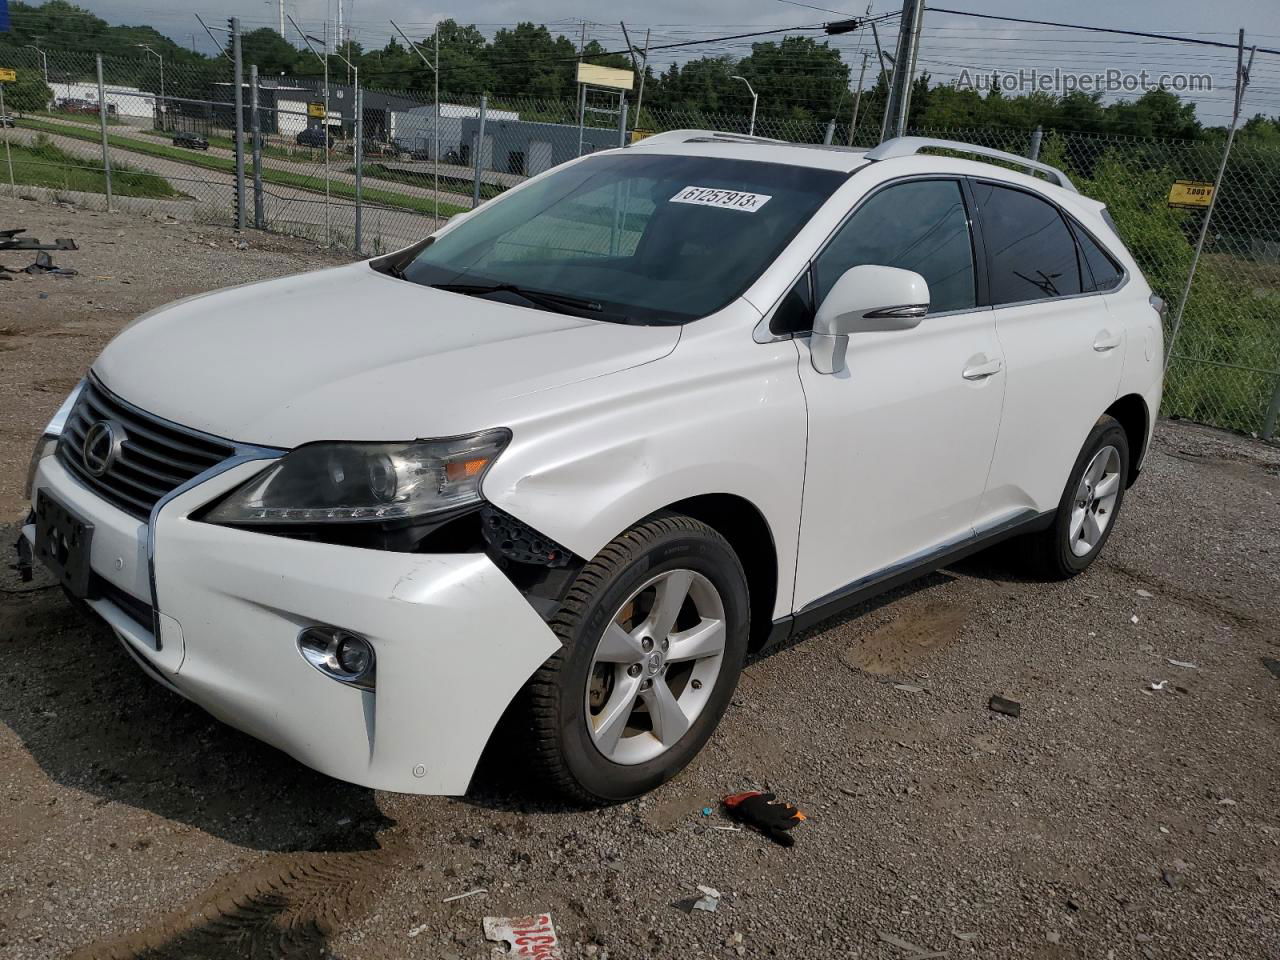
47	445
364	482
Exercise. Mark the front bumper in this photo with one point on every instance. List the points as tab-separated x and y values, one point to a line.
454	639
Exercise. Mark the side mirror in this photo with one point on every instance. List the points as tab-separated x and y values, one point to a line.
866	299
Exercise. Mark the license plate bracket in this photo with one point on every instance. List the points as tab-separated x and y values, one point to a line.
63	542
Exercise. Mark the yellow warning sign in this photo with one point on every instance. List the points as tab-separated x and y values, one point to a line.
316	109
638	135
8	75
1190	194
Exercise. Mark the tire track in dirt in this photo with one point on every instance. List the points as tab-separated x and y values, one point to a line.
284	909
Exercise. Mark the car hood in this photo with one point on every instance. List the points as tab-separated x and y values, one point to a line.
353	354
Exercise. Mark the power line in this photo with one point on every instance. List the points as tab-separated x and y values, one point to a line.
1095	29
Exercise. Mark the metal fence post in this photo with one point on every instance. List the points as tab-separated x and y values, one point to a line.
831	132
255	131
479	152
359	149
622	120
13	187
102	121
1037	136
1242	80
1273	414
238	80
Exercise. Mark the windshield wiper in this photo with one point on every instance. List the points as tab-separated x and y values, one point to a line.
552	301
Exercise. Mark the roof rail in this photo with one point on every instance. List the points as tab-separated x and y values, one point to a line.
695	136
910	146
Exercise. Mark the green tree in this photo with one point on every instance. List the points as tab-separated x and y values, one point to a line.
528	61
796	76
29	94
1157	113
270	51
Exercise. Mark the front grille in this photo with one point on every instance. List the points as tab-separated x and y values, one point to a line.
155	457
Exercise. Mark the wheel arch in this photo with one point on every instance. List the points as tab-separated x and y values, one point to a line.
743	524
1132	413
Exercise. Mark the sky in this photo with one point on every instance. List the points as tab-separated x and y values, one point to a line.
951	44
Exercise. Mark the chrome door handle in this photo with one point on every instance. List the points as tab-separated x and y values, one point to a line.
1105	340
980	368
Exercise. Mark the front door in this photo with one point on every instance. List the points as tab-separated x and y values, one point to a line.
901	440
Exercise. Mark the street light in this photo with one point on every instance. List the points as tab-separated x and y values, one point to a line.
161	59
754	101
43	59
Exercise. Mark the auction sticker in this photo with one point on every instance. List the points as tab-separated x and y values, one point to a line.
725	199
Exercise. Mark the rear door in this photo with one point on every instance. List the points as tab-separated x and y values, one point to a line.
1063	351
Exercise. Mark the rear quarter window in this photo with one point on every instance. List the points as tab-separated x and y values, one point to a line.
1101	270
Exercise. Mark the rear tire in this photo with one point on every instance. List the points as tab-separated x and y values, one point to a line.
654	633
1089	506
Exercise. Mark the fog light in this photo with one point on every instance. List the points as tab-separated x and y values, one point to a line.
339	654
355	656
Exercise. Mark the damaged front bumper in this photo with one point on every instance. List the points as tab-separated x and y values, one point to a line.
454	639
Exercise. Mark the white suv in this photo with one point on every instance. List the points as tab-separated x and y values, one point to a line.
579	453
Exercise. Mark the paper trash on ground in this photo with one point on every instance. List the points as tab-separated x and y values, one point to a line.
533	936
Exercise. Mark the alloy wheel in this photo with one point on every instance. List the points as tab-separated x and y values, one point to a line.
655	667
1094	505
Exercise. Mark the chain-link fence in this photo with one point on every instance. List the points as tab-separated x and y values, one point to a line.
372	170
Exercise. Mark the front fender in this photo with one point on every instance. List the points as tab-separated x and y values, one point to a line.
720	414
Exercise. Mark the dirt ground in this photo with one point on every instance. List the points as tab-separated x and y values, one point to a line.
1109	820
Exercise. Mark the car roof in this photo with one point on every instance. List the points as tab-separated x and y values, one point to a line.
903	153
710	143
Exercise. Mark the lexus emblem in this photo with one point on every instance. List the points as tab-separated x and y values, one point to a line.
101	446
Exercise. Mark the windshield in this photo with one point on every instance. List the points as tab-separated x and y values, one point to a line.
638	238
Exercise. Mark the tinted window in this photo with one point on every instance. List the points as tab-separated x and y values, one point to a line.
644	238
1105	272
1030	252
920	225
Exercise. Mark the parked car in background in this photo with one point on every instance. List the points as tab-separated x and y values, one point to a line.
379	148
313	137
186	138
6	120
77	105
573	457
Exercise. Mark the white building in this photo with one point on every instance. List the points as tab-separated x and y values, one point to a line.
126	101
414	129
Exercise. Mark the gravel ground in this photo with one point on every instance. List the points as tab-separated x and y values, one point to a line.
1108	820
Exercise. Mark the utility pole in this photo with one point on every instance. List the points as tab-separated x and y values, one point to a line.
884	68
635	65
857	97
644	73
280	15
904	69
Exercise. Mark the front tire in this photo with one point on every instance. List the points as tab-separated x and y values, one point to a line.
654	632
1089	506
